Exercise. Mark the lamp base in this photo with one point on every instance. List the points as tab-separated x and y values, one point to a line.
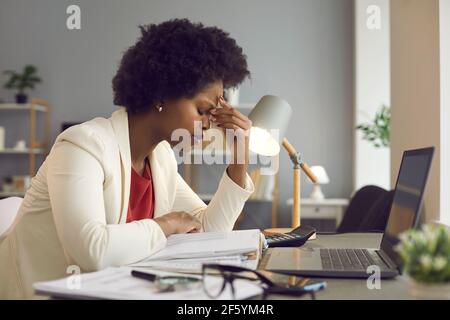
317	194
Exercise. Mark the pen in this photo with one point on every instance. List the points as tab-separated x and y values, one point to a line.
170	279
143	275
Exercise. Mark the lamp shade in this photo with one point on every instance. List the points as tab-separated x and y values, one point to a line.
321	174
270	119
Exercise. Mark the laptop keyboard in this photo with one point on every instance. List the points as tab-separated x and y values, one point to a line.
349	259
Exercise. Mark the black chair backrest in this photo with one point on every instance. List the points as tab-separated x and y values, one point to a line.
359	207
377	217
66	125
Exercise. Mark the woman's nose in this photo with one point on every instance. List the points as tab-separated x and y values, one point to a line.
205	123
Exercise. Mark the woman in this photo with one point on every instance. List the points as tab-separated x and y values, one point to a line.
109	193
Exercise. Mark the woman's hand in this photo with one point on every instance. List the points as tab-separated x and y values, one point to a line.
228	117
178	222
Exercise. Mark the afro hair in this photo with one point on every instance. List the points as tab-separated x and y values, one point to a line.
176	59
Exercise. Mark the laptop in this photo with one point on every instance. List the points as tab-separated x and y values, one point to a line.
353	263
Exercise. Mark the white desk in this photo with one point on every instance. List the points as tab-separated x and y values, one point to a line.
325	209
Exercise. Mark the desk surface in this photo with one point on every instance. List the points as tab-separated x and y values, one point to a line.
324	202
356	289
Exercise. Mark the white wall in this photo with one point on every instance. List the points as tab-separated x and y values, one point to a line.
301	50
444	38
372	90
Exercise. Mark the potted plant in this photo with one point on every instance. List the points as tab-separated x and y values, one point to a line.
378	132
22	81
426	261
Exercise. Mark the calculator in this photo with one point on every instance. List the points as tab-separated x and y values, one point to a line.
294	238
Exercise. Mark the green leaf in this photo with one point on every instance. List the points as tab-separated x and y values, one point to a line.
35	79
26	80
378	132
30	69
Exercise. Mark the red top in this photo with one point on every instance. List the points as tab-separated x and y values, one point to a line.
142	198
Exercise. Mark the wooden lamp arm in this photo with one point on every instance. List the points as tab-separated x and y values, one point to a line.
298	164
292	152
289	147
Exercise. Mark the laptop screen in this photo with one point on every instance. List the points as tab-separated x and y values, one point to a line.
408	196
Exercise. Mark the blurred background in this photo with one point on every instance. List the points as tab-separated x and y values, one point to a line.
366	80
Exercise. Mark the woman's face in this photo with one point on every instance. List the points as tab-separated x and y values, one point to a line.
184	113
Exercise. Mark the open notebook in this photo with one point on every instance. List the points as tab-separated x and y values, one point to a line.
187	252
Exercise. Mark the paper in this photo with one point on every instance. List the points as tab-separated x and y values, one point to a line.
187	253
194	266
208	244
117	283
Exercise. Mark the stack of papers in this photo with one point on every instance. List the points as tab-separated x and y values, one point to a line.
117	283
183	253
187	252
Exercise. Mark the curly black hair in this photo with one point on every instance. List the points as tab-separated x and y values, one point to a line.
176	59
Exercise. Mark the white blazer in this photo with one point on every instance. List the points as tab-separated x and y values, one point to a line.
76	208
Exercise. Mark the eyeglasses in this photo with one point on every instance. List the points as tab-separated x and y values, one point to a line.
229	274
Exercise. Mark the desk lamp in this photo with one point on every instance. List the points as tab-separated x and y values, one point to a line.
270	116
322	178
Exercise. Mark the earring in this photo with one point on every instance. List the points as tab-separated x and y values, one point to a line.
160	108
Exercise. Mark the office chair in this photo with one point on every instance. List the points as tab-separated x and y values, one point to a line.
376	219
360	207
8	211
66	125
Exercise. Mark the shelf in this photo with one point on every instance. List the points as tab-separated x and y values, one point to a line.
4	194
208	197
325	202
25	151
26	107
35	148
